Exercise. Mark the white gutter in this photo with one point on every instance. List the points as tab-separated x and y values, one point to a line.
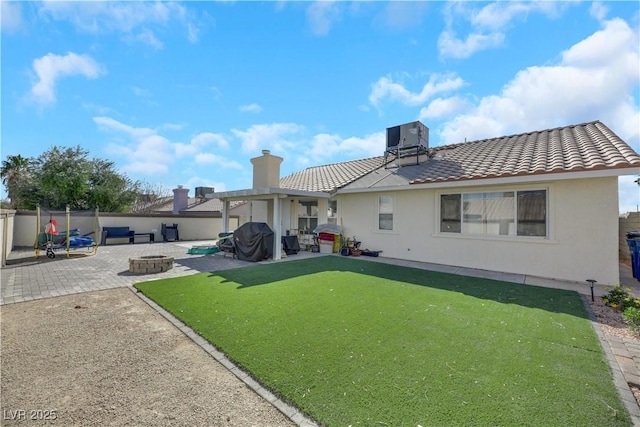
266	192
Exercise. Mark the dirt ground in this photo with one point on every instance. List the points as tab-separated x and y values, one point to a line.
107	358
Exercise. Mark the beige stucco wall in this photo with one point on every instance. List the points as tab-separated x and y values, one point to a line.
583	240
189	227
7	218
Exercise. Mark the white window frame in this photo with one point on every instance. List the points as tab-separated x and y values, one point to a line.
392	213
514	236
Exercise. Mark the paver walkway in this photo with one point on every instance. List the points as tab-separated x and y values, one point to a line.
26	278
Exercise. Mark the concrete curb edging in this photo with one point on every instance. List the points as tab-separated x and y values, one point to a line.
289	411
619	381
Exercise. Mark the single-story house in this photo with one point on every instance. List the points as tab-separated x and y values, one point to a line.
542	203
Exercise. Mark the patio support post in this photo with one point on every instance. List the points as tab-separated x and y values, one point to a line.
323	205
225	215
277	229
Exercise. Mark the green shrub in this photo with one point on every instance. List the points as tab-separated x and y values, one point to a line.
621	299
632	319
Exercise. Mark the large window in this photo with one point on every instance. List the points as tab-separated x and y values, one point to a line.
503	213
385	213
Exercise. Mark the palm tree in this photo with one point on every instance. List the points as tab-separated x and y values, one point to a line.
13	171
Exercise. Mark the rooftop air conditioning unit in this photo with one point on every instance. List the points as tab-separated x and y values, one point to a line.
204	192
408	135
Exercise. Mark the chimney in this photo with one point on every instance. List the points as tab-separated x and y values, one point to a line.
180	199
266	170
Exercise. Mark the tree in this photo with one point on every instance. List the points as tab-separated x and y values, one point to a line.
14	172
151	198
66	176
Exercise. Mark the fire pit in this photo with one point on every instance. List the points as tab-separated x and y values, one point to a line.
150	264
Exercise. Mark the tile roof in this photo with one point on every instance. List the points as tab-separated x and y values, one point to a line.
584	147
576	148
330	177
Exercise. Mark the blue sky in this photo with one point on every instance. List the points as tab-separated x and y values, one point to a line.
187	92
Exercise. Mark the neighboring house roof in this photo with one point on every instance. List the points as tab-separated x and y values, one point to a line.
584	147
196	204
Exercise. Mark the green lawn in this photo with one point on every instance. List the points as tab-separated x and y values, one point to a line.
359	343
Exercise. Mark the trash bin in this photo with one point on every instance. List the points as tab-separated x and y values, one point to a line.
633	240
326	246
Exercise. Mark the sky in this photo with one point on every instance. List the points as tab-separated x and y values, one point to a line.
186	93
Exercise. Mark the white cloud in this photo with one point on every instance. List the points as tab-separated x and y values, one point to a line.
96	17
386	88
217	93
321	15
592	81
402	15
51	68
276	136
208	138
599	10
369	146
107	123
488	24
171	126
145	36
143	93
442	107
324	146
498	15
131	17
145	151
220	162
193	33
200	142
251	108
11	16
452	47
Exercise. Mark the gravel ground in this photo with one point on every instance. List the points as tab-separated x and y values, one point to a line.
107	358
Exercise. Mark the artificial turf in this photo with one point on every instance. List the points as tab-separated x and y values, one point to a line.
351	342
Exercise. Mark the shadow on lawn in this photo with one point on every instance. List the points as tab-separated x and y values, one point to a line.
554	300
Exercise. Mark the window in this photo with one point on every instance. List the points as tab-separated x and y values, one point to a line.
532	213
498	213
385	213
488	213
307	216
332	212
450	213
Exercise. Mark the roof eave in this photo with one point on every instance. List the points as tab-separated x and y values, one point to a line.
500	180
268	193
